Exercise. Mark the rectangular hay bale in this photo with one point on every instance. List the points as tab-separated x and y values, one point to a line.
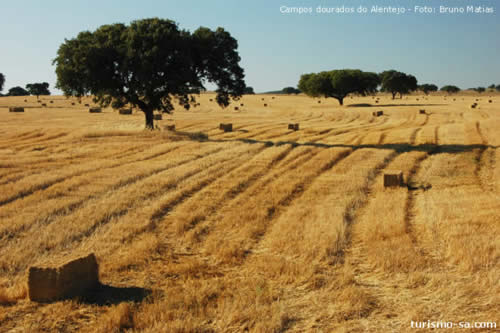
422	112
16	109
378	113
125	111
293	127
393	178
226	127
95	110
71	279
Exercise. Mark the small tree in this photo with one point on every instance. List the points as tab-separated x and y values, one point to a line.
339	83
450	89
492	87
291	90
148	64
497	88
480	89
38	89
398	83
2	81
249	91
427	88
17	91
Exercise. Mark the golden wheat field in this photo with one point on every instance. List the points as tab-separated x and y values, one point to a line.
261	229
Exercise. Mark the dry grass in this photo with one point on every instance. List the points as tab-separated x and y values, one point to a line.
260	229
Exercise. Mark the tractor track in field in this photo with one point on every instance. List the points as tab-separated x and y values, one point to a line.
485	162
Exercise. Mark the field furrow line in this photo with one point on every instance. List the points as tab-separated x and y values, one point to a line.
414	135
355	207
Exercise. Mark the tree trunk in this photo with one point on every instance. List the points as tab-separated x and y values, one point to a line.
149	119
394	95
341	100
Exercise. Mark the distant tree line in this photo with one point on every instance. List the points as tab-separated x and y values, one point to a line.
340	83
36	89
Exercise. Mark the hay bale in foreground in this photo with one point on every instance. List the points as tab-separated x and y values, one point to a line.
393	178
71	279
95	110
265	105
236	108
293	127
378	113
44	105
16	109
25	100
170	127
125	111
226	127
490	101
51	101
473	106
423	112
87	105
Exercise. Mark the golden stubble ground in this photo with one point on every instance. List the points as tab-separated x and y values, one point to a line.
261	229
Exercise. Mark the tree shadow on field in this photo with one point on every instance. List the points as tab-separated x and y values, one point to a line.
398	147
104	294
367	105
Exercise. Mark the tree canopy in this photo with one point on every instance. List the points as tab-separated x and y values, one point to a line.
450	89
291	90
339	83
148	64
480	89
38	89
2	81
17	91
427	88
398	83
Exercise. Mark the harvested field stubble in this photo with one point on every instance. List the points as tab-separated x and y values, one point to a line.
258	229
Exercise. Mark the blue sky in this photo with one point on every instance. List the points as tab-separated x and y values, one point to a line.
276	48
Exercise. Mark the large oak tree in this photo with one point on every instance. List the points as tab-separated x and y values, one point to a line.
450	89
149	64
339	83
38	89
398	83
